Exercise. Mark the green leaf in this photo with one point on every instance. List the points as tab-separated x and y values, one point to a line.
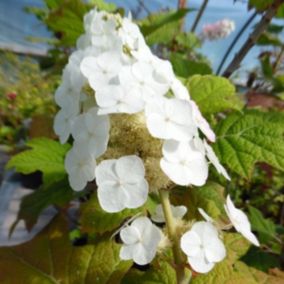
103	5
188	40
260	5
249	137
45	155
213	94
66	20
269	39
273	28
50	258
162	27
58	193
278	83
265	227
159	272
280	12
266	67
94	219
209	197
261	260
186	68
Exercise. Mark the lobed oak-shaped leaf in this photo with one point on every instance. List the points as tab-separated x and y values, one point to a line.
213	94
160	272
249	137
50	258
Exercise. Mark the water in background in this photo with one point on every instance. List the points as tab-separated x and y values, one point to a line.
16	25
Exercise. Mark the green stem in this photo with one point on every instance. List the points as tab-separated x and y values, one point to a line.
198	17
166	205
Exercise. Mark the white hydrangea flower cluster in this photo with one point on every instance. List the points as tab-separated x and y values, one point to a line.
218	30
113	60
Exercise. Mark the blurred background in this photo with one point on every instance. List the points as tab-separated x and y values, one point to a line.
17	26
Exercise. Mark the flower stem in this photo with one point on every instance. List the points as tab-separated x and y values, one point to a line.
166	205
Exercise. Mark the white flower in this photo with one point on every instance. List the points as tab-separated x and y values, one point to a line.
178	213
100	70
162	71
215	161
202	123
101	28
240	221
121	183
118	99
62	125
179	90
203	247
91	130
140	241
130	34
67	96
183	163
67	99
77	80
80	166
139	77
170	119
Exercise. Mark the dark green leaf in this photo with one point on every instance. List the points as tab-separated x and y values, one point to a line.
266	67
185	68
58	193
249	137
273	28
266	228
269	39
261	260
162	27
45	155
260	5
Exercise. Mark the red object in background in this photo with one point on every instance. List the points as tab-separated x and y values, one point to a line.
11	96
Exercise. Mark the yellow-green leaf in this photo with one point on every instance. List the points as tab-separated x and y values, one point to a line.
50	258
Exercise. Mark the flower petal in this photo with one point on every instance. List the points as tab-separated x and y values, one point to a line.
200	264
130	169
111	198
191	243
105	172
130	235
136	194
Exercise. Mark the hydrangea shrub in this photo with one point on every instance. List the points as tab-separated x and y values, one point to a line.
135	131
